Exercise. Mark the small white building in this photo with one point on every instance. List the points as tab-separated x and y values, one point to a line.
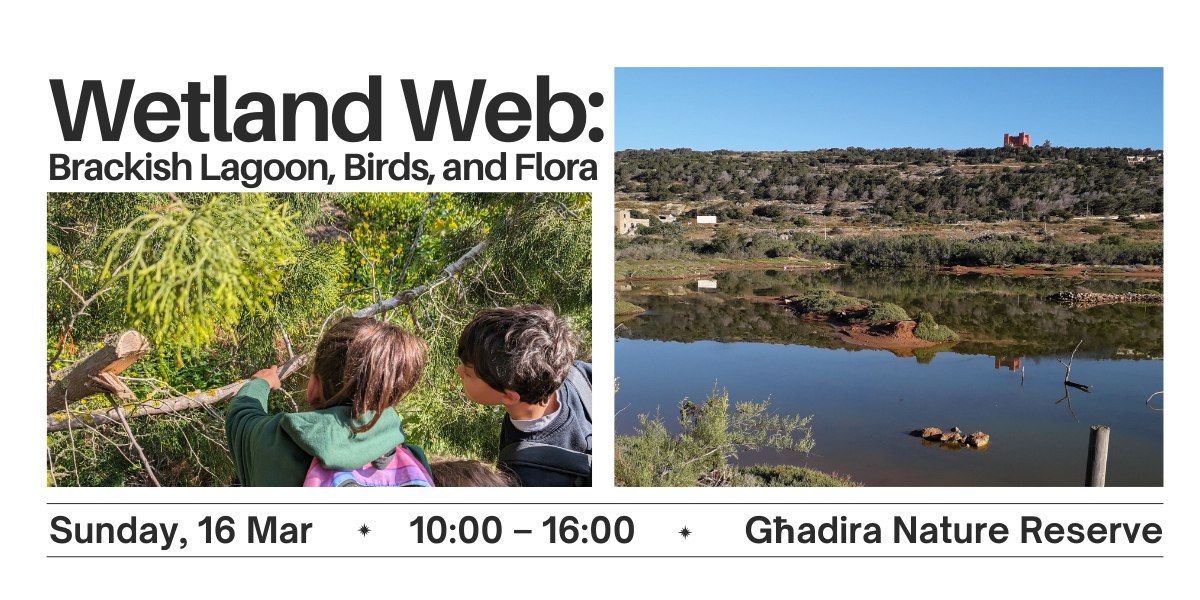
706	284
706	219
1142	158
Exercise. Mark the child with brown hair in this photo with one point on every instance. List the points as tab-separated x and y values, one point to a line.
457	472
352	436
523	358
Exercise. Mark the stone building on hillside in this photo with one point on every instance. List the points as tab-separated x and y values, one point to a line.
626	224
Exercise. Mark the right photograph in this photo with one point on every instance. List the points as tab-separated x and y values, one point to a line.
889	277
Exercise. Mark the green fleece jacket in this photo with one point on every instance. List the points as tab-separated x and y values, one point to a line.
276	450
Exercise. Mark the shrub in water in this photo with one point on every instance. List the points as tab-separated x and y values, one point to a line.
929	330
879	312
826	302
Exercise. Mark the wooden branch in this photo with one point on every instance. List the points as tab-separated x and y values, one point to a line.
411	294
80	380
159	407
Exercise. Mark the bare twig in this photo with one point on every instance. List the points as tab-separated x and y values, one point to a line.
410	294
286	340
133	441
1067	375
69	323
412	249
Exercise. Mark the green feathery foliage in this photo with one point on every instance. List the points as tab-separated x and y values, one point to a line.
711	434
190	270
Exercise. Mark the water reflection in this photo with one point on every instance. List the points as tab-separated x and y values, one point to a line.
1004	377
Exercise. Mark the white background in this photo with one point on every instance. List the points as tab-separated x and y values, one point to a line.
300	46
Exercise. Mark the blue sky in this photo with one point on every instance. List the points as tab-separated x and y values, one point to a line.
803	109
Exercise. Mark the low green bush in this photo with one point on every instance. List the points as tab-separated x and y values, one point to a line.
624	307
929	330
792	476
826	302
879	312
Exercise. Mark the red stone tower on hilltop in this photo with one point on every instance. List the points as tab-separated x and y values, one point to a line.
1021	140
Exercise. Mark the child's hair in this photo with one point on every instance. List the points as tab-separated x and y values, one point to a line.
366	364
455	472
526	349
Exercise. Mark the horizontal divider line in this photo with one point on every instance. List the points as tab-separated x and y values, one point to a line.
603	556
221	503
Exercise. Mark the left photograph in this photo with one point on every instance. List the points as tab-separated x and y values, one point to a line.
301	339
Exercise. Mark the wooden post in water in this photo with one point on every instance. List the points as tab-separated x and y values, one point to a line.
1097	465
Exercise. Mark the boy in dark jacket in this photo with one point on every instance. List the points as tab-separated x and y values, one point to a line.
522	358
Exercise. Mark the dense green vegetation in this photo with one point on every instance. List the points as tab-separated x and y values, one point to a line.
711	435
913	250
825	303
989	250
905	185
790	476
224	285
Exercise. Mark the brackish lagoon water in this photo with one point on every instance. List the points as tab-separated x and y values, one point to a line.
1002	378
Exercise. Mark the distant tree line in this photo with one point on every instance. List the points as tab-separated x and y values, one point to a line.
907	184
914	250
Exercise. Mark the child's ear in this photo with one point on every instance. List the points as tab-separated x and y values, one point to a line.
510	398
313	393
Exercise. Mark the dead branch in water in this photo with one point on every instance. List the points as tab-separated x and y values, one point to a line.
1067	375
1067	397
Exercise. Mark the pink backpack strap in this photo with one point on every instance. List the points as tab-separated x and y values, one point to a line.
400	469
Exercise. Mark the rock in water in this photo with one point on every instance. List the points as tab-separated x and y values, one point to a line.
954	436
932	434
978	439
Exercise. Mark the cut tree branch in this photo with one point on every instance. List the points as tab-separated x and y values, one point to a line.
113	416
79	380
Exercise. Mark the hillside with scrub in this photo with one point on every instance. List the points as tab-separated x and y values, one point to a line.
978	207
188	294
